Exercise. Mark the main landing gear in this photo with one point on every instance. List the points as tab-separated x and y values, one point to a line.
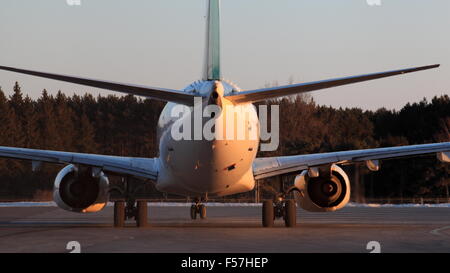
130	207
198	208
124	210
280	208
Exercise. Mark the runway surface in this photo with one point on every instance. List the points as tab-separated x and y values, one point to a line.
227	229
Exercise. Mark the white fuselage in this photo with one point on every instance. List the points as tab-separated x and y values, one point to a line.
215	167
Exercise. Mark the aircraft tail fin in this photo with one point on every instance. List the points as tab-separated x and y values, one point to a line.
212	56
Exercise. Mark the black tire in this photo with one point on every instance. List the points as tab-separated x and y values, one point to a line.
267	213
202	211
193	212
119	214
141	217
290	213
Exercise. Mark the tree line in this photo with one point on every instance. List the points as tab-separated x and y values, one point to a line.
126	126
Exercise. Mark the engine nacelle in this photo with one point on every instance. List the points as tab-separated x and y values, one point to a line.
323	193
81	191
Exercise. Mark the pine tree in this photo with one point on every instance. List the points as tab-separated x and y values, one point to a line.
48	129
16	100
85	141
16	104
64	117
30	123
9	128
7	118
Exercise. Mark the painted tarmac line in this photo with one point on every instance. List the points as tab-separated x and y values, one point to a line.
438	231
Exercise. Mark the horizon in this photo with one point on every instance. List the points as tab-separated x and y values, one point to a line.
305	97
161	44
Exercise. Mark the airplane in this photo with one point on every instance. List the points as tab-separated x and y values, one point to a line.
217	167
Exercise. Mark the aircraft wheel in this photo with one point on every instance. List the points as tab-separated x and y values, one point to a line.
267	213
119	214
193	212
290	213
142	210
202	209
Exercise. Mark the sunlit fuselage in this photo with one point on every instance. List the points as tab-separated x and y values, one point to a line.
199	167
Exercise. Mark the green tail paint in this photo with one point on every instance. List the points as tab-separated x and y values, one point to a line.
212	65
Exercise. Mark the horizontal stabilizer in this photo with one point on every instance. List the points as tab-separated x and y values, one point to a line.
145	91
274	92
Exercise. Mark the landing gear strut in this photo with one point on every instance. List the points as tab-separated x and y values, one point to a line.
130	207
198	208
280	208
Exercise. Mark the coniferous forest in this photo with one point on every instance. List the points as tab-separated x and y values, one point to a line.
126	126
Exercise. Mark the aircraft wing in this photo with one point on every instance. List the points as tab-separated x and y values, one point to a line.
134	166
273	166
140	90
280	91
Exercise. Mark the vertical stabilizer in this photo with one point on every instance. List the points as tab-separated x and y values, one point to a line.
212	62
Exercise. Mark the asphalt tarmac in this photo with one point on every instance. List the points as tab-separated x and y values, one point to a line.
227	229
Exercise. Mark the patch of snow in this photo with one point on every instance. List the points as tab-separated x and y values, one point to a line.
110	204
27	204
212	204
217	204
358	205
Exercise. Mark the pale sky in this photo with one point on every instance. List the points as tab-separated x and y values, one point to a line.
161	42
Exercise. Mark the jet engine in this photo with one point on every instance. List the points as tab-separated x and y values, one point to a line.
81	190
322	191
